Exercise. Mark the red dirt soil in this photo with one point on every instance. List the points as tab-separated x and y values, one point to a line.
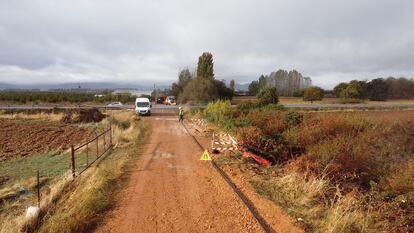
173	191
24	138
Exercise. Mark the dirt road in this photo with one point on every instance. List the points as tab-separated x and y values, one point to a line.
173	191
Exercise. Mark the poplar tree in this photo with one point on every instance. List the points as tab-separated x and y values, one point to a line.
205	66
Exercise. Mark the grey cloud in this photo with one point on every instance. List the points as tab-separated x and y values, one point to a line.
136	41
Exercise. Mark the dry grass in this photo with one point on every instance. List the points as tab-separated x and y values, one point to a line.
14	221
306	197
124	124
345	215
294	192
38	116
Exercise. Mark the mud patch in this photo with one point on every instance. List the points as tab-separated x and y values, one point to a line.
24	138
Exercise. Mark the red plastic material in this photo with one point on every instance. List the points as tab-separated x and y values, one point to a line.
258	159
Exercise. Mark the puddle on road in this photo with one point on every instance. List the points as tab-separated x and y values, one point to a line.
180	167
162	155
165	155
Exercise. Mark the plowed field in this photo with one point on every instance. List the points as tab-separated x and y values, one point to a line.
24	138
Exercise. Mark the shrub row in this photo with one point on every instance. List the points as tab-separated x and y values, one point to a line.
350	150
63	96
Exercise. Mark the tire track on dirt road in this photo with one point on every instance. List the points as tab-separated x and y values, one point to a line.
249	205
172	191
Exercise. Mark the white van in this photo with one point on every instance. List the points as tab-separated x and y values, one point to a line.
143	106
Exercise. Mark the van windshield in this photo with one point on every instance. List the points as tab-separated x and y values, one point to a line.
142	104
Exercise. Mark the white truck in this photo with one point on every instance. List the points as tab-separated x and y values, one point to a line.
143	106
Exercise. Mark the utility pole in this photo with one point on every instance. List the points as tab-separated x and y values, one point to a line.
155	93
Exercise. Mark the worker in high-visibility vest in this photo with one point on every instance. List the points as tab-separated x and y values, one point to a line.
181	114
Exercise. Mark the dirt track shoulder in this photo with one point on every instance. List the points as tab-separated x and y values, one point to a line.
274	216
172	191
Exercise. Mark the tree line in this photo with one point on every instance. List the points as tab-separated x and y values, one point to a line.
378	89
201	86
64	96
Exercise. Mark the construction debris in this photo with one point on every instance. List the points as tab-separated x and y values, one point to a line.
223	142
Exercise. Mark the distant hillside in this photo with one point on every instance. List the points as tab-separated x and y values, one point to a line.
241	87
7	86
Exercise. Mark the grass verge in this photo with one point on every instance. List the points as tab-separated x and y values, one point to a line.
308	199
81	208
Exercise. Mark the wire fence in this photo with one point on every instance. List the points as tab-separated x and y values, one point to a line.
83	156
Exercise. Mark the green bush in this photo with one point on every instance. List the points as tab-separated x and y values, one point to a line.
293	119
217	111
313	94
350	92
298	93
199	90
246	106
268	95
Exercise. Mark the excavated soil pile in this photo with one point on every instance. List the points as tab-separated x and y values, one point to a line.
83	116
24	138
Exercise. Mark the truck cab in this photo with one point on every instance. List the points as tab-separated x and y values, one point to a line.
170	100
143	106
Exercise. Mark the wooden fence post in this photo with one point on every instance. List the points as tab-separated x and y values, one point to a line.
73	162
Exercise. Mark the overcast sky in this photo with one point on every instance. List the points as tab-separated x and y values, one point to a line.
132	41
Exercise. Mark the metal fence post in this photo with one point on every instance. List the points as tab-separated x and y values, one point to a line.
104	141
110	134
73	162
97	147
87	154
38	189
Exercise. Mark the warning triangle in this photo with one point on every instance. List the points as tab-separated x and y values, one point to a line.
205	156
